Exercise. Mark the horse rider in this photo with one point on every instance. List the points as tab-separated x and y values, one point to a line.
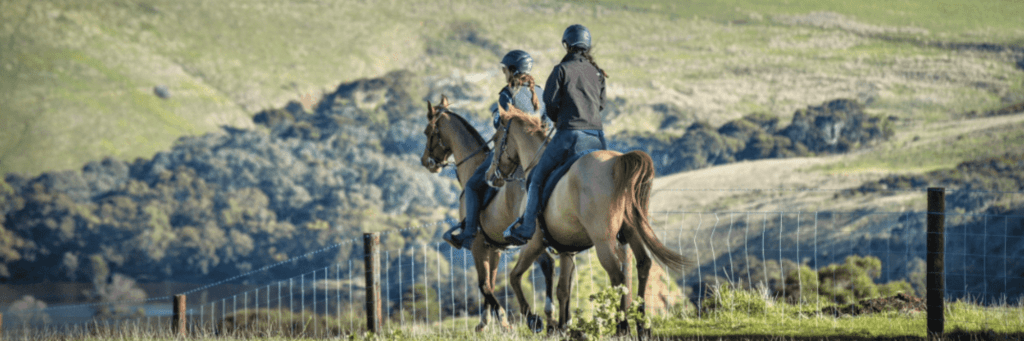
521	91
574	97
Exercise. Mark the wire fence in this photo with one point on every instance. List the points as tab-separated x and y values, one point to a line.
429	287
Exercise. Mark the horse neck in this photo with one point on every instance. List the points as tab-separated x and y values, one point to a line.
528	145
463	145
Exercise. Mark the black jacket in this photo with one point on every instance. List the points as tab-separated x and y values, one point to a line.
574	94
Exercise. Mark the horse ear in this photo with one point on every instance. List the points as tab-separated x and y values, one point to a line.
430	110
444	101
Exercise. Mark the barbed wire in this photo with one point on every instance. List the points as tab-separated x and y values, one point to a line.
947	214
913	190
354	241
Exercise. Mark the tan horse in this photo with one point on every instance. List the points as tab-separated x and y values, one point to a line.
601	202
448	134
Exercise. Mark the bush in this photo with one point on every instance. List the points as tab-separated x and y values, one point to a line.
27	310
606	315
852	281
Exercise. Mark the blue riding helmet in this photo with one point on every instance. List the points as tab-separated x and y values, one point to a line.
576	35
517	61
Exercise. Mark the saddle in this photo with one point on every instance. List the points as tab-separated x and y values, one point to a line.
549	188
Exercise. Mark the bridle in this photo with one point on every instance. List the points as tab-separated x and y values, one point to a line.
434	139
499	152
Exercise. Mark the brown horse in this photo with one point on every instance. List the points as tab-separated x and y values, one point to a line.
602	202
448	134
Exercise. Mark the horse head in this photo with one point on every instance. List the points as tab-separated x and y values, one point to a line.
513	126
436	153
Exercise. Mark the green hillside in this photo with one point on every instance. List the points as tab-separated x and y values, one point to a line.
77	77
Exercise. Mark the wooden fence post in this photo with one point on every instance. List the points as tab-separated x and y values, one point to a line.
371	256
936	248
178	322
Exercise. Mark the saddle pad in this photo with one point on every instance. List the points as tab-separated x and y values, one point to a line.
557	174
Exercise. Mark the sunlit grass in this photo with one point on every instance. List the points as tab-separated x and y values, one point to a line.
940	146
743	313
93	64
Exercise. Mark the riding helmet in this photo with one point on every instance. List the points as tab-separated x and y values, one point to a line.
576	35
517	61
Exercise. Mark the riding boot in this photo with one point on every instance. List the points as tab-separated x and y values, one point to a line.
447	236
471	224
521	231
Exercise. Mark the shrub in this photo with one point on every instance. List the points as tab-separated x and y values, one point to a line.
606	315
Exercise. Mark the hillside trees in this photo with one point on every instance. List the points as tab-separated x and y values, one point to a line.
226	203
835	126
842	283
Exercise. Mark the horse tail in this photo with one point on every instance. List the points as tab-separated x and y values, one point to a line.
634	178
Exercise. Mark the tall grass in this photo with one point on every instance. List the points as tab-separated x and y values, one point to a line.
724	313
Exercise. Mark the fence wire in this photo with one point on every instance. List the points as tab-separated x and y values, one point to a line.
791	259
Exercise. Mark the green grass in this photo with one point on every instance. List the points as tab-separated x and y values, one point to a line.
746	314
940	146
996	20
77	75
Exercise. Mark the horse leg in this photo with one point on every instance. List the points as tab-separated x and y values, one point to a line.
607	253
547	268
626	257
643	265
483	260
496	308
529	253
565	282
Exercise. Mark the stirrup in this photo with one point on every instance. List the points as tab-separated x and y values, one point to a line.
447	236
463	240
513	235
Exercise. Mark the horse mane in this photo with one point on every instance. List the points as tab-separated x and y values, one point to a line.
469	127
531	124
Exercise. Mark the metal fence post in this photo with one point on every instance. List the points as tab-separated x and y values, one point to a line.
178	322
936	248
371	244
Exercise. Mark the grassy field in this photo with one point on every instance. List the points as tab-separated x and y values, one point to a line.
78	75
743	316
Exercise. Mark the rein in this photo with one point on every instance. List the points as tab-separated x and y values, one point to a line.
448	150
482	148
536	156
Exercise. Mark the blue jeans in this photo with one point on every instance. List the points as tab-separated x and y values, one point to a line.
566	143
476	186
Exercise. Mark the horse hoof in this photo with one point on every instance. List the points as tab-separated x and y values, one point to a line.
644	334
535	323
